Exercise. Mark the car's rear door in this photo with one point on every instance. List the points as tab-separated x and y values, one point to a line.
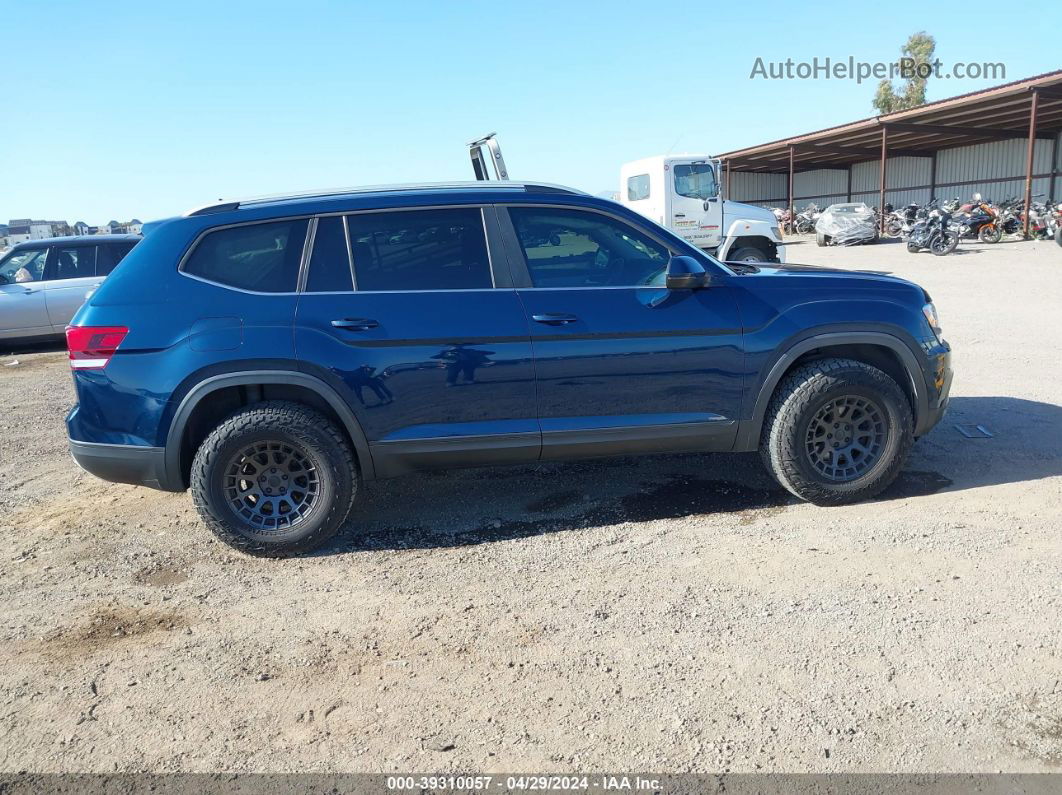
622	363
23	312
411	316
70	276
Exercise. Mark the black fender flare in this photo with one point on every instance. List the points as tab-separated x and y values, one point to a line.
749	435
261	377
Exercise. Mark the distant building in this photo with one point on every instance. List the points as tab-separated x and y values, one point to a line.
20	230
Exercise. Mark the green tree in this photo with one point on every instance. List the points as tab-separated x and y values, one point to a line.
916	64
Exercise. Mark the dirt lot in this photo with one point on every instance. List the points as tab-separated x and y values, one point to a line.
670	614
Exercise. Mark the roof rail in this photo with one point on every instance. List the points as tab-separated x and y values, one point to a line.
216	207
538	187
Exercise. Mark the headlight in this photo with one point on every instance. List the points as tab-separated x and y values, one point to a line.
930	312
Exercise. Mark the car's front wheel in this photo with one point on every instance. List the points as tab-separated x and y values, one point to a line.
274	479
837	431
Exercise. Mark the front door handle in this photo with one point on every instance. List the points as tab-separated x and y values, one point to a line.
355	323
554	319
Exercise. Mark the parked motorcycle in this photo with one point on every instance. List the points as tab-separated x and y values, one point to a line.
978	219
806	218
934	232
898	223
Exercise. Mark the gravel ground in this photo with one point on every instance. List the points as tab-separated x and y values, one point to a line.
669	614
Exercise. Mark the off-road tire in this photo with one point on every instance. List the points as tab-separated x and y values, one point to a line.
793	407
290	424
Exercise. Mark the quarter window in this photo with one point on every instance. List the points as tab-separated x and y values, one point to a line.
259	257
420	250
330	261
638	188
570	248
109	255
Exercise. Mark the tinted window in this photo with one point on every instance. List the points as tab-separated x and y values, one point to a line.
329	263
260	257
420	250
570	248
25	265
74	262
696	181
110	254
638	188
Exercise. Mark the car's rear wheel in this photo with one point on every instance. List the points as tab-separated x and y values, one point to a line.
837	431
821	239
274	479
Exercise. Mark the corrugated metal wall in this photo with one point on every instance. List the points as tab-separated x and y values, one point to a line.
961	172
766	190
822	187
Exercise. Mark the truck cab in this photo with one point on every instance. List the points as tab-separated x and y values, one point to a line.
682	193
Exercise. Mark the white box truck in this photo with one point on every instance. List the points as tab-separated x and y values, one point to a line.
681	192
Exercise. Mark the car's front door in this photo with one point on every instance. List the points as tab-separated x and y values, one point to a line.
71	275
404	313
23	312
622	364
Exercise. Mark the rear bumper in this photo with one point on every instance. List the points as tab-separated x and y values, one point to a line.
122	463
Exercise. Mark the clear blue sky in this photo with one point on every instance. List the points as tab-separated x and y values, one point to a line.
120	110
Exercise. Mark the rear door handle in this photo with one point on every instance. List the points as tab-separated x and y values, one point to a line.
355	323
554	319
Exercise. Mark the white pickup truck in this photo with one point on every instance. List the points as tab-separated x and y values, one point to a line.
681	192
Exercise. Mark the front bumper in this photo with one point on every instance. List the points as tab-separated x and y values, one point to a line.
122	463
938	381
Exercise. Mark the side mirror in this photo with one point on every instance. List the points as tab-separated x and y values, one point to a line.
685	273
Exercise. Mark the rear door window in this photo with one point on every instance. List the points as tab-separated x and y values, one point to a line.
73	262
420	250
261	258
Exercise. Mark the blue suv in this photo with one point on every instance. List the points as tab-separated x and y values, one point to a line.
273	354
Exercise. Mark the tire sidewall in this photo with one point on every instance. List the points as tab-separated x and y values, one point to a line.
744	250
335	490
897	418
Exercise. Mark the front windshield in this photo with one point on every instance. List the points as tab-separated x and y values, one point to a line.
696	181
23	266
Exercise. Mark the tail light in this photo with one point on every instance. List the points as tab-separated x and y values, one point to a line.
91	347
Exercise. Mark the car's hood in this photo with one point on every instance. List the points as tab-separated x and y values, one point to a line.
733	209
780	275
